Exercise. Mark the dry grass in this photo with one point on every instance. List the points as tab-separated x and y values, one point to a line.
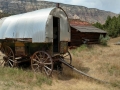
98	61
19	79
74	84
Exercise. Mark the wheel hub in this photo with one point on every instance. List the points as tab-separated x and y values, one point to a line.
5	58
41	64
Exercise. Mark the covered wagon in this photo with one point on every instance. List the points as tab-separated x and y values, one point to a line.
39	36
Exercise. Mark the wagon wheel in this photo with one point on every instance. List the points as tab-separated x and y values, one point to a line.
42	61
67	57
8	57
2	62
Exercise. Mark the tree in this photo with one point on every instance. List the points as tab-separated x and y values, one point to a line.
107	22
112	26
98	25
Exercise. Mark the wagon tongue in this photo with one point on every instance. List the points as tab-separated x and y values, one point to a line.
79	71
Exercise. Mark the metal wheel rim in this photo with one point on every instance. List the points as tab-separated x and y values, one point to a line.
42	62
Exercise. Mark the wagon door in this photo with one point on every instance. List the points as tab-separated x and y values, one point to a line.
56	34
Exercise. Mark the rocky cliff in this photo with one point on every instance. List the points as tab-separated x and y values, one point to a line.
91	15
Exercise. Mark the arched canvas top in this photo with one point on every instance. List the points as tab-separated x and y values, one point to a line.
2	20
37	25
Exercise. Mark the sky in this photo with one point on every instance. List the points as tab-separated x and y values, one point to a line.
107	5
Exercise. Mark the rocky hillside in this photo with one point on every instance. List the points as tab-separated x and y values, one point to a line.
74	12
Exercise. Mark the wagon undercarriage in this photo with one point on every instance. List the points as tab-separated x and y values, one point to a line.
39	60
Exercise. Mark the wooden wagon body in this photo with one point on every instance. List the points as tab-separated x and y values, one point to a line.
40	36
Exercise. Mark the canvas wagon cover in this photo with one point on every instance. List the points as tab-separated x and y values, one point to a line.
33	25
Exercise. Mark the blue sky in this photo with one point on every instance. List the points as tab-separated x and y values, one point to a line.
107	5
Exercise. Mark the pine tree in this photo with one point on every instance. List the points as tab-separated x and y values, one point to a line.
112	26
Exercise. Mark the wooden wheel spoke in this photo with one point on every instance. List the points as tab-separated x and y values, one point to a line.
10	63
43	55
11	60
47	67
35	64
46	59
40	54
47	63
37	69
9	52
46	71
37	57
11	57
35	60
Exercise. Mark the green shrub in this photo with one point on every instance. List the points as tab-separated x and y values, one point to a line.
81	48
103	40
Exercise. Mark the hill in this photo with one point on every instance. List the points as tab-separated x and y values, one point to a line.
90	15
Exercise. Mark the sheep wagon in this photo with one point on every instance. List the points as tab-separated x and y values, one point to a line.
40	37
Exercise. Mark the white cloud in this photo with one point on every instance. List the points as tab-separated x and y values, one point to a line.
108	5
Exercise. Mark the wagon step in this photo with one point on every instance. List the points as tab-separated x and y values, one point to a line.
79	71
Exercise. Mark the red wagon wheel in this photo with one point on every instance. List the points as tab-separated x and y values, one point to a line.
67	57
42	62
8	57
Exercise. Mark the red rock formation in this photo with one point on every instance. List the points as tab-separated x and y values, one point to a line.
77	22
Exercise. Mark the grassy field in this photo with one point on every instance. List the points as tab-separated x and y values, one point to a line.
97	61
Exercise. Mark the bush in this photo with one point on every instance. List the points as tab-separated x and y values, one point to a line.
103	40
